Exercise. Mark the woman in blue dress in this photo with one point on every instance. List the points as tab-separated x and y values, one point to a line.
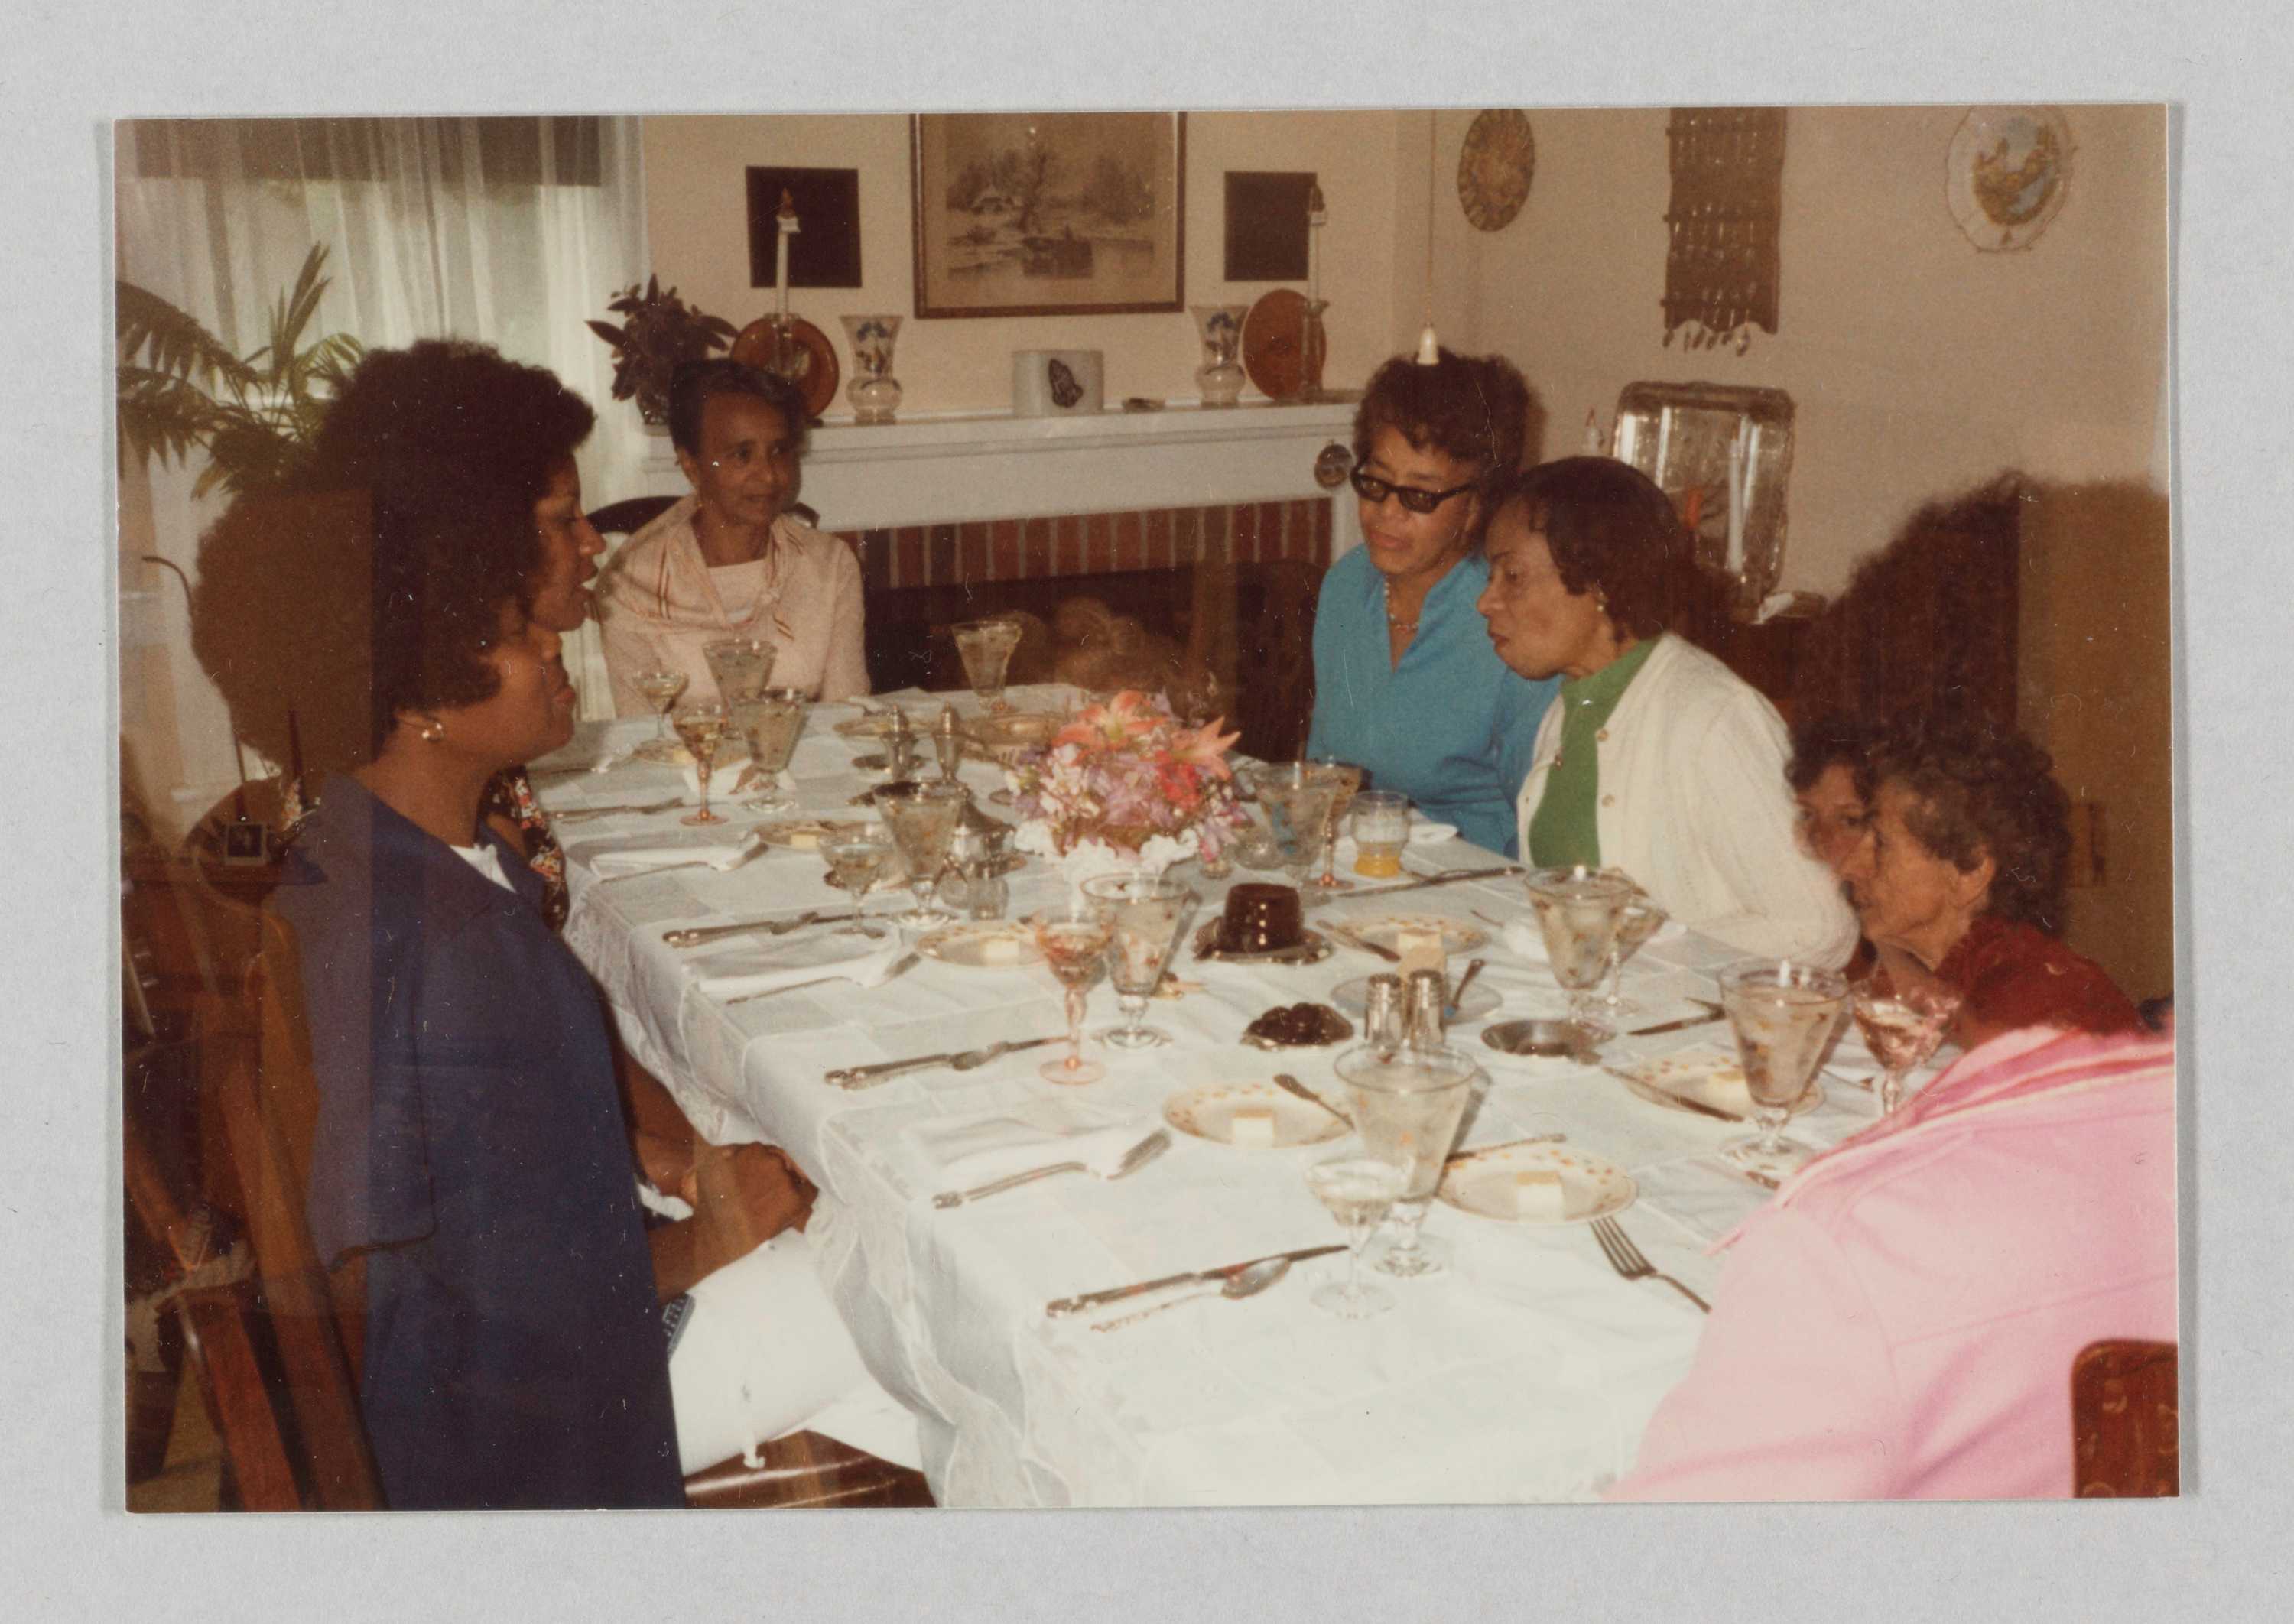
1406	683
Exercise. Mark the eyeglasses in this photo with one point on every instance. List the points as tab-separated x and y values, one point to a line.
1373	490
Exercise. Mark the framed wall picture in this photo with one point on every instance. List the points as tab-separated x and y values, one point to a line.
824	250
1266	225
1049	214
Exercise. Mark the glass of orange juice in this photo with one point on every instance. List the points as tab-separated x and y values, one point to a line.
1381	828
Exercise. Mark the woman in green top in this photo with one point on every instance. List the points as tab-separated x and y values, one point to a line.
1655	758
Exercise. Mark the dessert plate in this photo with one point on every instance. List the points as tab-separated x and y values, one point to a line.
1590	1187
981	946
1210	1112
1706	1075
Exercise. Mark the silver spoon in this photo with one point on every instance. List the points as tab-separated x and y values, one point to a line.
1458	994
1249	1283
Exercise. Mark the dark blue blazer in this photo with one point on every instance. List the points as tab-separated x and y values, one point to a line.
470	1145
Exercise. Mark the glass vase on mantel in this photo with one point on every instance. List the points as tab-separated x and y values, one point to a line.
1220	377
874	392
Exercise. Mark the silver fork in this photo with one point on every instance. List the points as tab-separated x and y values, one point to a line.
1145	1151
1627	1260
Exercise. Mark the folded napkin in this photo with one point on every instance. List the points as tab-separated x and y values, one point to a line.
747	972
636	859
967	1151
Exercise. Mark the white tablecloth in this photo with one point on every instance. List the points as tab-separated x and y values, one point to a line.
1527	1372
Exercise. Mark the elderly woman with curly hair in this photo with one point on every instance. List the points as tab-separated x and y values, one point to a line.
1655	758
1404	686
1959	879
731	560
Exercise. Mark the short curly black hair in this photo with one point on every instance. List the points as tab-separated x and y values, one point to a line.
322	615
696	383
1827	739
1612	532
1471	409
1981	789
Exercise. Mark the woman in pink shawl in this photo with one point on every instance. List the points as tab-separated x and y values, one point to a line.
1900	1321
730	560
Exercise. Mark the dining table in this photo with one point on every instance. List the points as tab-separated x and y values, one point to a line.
1525	1371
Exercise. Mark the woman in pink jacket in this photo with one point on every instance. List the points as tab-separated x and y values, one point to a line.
1900	1321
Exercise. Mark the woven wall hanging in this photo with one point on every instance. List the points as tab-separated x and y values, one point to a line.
1728	195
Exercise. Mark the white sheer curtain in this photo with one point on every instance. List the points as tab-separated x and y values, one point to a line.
512	232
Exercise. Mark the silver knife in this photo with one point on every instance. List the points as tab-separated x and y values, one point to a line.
1451	878
695	935
1459	1159
1678	1026
962	1060
1360	943
1058	1306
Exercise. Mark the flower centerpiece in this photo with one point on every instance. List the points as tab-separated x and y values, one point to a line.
1126	785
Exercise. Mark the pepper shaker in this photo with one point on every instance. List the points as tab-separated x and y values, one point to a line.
1383	1023
1426	995
948	743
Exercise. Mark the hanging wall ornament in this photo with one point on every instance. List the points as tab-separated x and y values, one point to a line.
1728	197
2007	174
1494	168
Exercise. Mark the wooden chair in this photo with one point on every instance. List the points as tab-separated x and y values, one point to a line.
627	518
268	1100
2126	1420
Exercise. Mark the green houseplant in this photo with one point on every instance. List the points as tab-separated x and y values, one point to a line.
181	390
658	332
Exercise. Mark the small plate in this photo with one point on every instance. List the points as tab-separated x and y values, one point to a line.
875	724
1704	1075
1208	1113
800	833
981	946
1456	937
1591	1187
1313	948
1352	996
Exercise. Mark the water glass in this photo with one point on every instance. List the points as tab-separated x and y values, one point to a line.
1577	911
741	666
1381	828
702	729
1358	1191
1784	1015
1407	1105
773	721
1145	914
985	649
922	820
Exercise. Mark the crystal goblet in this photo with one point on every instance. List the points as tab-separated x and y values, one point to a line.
858	854
702	729
922	820
1783	1014
1408	1102
1577	912
660	686
741	666
985	649
1902	1030
1145	914
1359	1192
773	721
1347	781
1297	798
1075	951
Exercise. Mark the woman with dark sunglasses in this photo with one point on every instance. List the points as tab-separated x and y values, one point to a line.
1406	685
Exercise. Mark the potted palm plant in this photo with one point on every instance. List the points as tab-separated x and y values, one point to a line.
658	332
181	390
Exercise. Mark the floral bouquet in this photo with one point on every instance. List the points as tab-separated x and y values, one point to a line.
1126	784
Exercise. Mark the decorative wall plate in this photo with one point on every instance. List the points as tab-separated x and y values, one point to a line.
1274	345
805	358
1494	168
2007	174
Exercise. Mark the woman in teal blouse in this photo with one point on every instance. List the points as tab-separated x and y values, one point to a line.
1406	683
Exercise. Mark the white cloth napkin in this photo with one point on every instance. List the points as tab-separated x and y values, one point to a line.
967	1151
818	958
636	859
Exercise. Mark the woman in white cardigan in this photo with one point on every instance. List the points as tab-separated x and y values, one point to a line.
1654	759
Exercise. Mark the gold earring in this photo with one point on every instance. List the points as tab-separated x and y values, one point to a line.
433	730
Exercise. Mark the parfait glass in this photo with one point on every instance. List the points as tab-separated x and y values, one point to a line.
702	729
1784	1015
660	686
985	649
1074	950
1408	1102
1145	916
1359	1190
1902	1030
773	722
922	820
1641	920
1298	798
1348	780
858	856
741	666
1578	911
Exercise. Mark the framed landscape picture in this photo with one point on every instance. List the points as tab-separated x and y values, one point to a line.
1049	214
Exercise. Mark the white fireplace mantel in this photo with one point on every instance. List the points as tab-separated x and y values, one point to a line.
957	468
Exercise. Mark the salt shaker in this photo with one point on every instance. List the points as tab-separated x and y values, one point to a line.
948	743
1426	996
1383	1025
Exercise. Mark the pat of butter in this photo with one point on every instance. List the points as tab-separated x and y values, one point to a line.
1253	1125
1538	1194
1420	948
999	950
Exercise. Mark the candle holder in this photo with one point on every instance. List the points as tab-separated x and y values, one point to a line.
1313	349
874	392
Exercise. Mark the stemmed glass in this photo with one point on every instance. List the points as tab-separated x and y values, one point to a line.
1784	1015
1641	920
742	666
1145	916
1074	950
1348	780
985	647
1298	799
858	856
922	820
1407	1105
773	721
1902	1030
1359	1190
1577	911
660	686
702	728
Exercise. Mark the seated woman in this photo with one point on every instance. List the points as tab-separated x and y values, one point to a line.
469	1147
1655	758
1406	685
1900	1321
1959	879
730	560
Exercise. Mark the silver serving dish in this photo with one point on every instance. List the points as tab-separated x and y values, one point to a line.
1547	1039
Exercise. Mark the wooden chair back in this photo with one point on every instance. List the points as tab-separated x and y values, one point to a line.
2126	1420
